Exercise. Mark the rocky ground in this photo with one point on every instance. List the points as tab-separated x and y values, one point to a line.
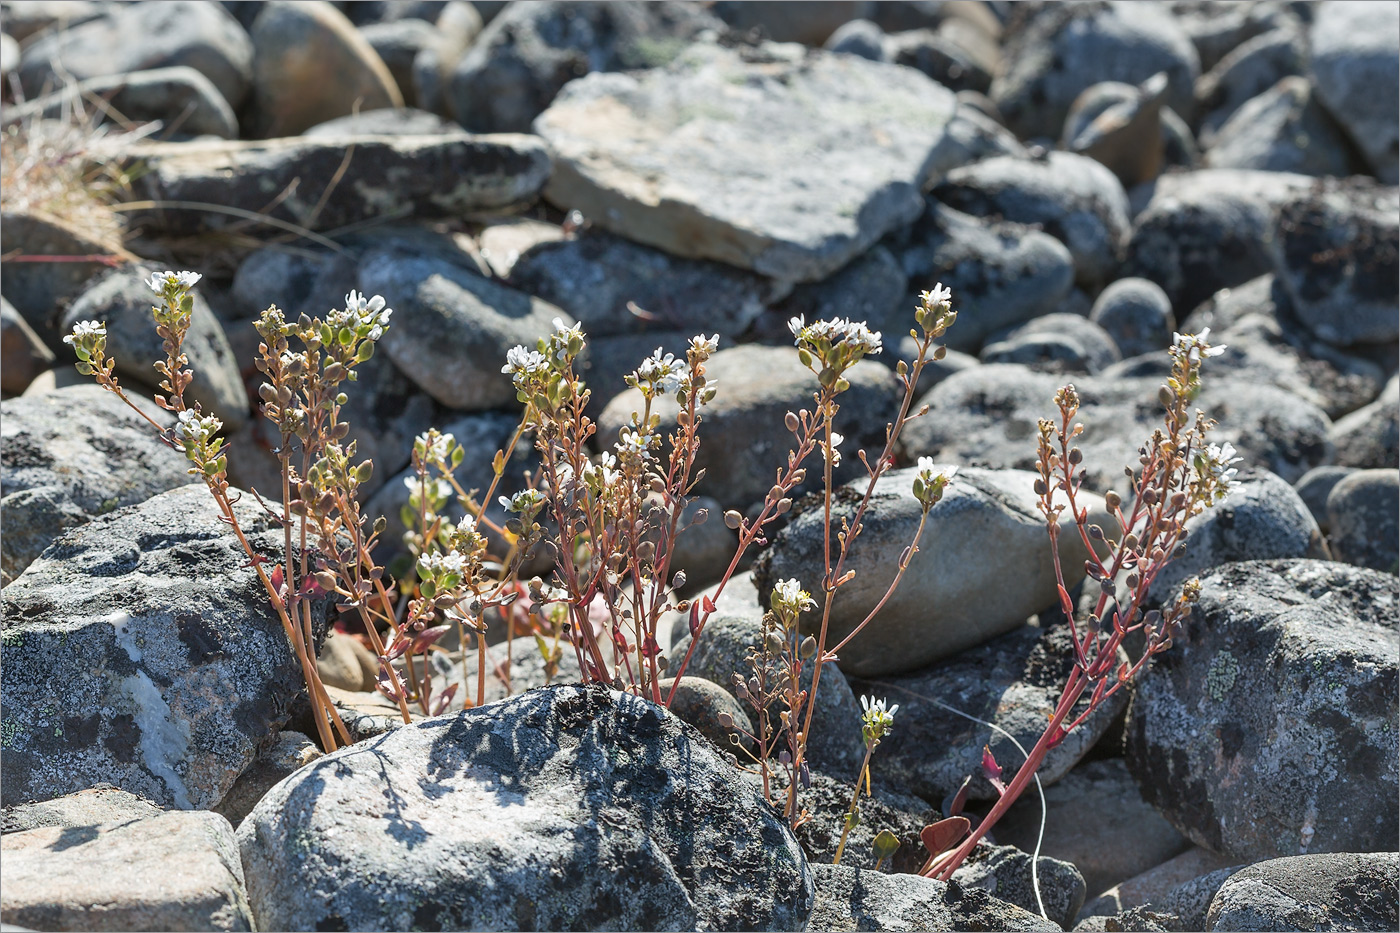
1086	177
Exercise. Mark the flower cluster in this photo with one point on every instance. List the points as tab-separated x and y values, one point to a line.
89	343
438	448
633	446
930	483
789	598
525	366
438	564
196	428
1215	474
167	284
935	312
365	317
877	721
853	334
525	502
701	348
658	375
196	434
1195	346
1188	351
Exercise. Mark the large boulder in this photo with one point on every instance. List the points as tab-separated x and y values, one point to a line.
1343	891
566	808
851	898
152	658
1284	129
1356	68
1277	700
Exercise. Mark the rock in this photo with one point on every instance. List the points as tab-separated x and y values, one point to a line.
1002	274
858	37
1315	486
453	328
700	702
1284	129
1208	230
101	804
128	624
458	25
1137	314
738	599
1361	513
27	18
1337	255
1278	696
1369	438
835	747
514	69
1245	73
959	66
346	663
1121	126
291	751
1343	891
871	289
411	178
174	871
619	815
1096	820
372	12
667	156
1005	873
971	136
23	356
183	99
829	799
1182	885
70	456
122	300
1072	198
1057	342
1013	681
742	437
388	121
398	43
311	65
1061	50
614	286
138	37
804	21
1216	29
1355	69
502	242
987	417
855	899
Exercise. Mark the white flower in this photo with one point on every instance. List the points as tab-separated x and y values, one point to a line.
85	329
437	448
362	312
527	500
467	525
197	428
790	595
604	472
834	455
838	330
438	489
634	444
562	336
876	719
926	470
660	374
160	281
796	325
1196	346
704	346
940	295
1215	465
451	562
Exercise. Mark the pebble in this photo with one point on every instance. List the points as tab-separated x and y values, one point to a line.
1362	511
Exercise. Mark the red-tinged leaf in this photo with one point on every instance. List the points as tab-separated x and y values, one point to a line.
958	800
694	619
708	603
941	836
277	579
991	770
443	699
429	636
397	648
1066	603
650	647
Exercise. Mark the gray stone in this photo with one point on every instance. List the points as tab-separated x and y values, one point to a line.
567	808
1073	198
453	328
1122	126
411	178
154	660
1001	274
858	37
458	25
1137	314
957	65
1182	885
670	157
970	136
1246	72
871	289
23	356
855	899
1278	698
122	300
371	12
71	455
1345	891
1005	873
1013	681
101	804
517	65
183	99
1216	28
174	871
829	799
1065	48
27	18
291	751
701	703
1356	69
805	21
1284	129
1059	342
743	440
1369	438
983	565
346	663
387	121
398	44
1362	512
131	37
1315	486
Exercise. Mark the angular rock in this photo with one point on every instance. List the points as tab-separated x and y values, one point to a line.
1073	198
183	99
1356	68
567	808
154	660
291	751
1315	486
139	36
101	804
1013	681
175	871
1346	891
398	43
387	121
667	157
122	300
855	899
23	356
983	567
413	178
1059	342
311	65
1248	71
71	455
1362	514
1137	314
1277	699
1005	873
1284	129
1369	438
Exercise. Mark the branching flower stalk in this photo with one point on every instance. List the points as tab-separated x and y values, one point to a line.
876	723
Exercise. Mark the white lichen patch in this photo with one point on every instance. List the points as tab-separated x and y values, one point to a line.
126	637
165	740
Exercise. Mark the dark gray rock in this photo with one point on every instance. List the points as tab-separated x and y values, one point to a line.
1061	49
1073	198
1059	342
411	178
566	808
1122	126
872	288
101	804
154	660
855	899
523	57
1005	873
959	66
139	36
1216	28
1137	314
183	99
1356	69
1284	129
1345	891
1248	71
23	355
122	300
72	455
291	751
370	12
1002	274
828	800
398	44
1012	681
785	178
807	22
1362	512
1191	900
970	136
1277	699
858	37
387	121
1315	486
1369	438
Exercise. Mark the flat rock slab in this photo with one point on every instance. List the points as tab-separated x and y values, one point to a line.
790	165
1345	891
855	899
409	178
173	871
102	804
